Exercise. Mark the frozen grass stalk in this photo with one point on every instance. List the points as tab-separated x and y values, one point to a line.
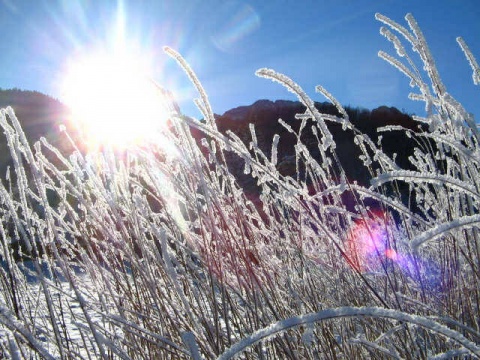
161	256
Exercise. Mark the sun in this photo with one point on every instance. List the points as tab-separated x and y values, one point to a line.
113	101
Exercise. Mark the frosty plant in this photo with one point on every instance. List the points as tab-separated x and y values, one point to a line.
161	254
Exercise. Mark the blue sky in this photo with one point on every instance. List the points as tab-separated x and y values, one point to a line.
333	43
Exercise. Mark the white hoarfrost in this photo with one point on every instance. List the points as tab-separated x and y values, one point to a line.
158	253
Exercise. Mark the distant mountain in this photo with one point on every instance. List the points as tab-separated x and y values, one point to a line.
39	113
264	114
40	116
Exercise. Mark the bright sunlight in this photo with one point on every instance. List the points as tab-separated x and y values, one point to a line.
113	102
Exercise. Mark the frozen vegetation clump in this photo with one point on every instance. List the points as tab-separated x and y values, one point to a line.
160	253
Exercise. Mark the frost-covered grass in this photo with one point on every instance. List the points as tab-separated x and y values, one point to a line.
160	254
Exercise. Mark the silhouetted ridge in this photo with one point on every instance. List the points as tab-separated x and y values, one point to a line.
264	114
37	112
40	116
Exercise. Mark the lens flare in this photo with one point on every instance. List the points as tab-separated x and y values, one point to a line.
238	22
368	244
376	241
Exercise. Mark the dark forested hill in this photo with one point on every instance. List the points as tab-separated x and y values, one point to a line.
264	114
39	114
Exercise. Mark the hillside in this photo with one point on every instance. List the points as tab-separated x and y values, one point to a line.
264	114
40	116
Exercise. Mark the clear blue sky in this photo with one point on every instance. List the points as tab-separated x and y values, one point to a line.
329	42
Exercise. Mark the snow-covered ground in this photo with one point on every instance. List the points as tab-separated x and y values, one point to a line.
75	311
